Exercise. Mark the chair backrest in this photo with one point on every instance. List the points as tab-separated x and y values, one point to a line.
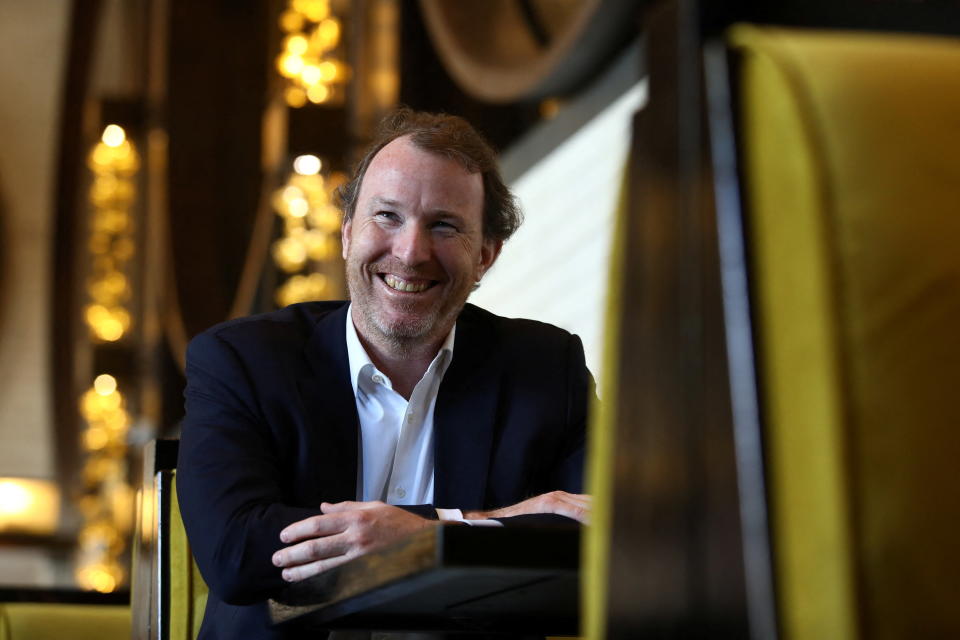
169	595
850	147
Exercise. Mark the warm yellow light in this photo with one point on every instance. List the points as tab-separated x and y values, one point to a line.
318	93
14	497
302	289
290	65
298	208
99	577
326	218
103	581
328	71
311	74
289	254
95	438
95	407
109	289
291	21
105	384
28	506
291	193
113	135
307	165
328	33
107	323
315	10
319	245
295	97
296	45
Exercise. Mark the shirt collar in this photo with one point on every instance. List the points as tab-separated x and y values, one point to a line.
361	364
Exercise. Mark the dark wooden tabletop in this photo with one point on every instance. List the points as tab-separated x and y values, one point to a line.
449	578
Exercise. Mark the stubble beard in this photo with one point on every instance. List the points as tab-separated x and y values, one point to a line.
401	337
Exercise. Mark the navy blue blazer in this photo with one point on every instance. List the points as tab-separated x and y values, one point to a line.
271	431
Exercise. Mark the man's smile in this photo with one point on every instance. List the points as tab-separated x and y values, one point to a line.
397	283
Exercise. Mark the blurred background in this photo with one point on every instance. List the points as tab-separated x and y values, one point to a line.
168	164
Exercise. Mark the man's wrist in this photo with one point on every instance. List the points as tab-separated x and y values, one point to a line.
472	518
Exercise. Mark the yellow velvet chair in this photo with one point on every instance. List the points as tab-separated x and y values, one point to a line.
830	214
47	621
850	148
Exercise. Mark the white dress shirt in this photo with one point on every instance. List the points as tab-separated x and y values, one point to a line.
396	436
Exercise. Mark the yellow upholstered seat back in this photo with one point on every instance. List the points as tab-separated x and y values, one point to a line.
188	591
851	148
48	621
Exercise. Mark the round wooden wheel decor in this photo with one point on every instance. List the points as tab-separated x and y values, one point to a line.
513	50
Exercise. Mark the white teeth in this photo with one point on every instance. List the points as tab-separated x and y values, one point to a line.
396	283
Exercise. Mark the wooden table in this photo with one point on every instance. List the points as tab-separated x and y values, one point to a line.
449	578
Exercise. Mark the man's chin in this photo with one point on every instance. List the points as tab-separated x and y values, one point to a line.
406	330
413	328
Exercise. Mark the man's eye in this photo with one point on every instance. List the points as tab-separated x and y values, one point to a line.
444	226
385	215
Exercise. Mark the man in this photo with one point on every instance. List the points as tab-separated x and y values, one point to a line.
460	415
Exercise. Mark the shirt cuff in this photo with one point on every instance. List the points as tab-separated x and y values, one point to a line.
456	515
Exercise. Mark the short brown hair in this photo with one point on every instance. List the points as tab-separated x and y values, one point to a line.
454	138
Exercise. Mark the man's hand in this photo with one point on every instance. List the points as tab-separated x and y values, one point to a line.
572	505
344	531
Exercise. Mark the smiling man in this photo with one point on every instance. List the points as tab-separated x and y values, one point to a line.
316	433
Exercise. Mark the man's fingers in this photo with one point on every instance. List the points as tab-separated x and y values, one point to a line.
311	550
345	530
576	498
572	505
304	571
313	527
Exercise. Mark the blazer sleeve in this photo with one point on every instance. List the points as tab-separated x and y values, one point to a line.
567	472
581	391
227	478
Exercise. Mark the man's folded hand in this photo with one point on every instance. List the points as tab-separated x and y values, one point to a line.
344	531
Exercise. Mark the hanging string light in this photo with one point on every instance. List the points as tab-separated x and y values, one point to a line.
311	59
106	504
114	163
106	497
311	222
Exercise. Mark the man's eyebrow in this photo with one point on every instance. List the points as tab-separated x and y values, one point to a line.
385	202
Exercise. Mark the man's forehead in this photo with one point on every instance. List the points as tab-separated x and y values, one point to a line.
402	168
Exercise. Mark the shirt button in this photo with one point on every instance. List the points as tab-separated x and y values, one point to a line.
378	379
401	492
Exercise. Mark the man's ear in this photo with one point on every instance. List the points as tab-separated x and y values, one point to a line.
489	253
345	230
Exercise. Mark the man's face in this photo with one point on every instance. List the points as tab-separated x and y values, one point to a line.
414	247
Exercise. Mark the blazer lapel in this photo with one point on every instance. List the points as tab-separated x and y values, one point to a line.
330	408
464	417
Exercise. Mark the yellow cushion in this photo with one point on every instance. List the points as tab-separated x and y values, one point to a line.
42	621
852	160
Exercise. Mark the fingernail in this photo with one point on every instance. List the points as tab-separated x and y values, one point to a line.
276	559
284	537
287	576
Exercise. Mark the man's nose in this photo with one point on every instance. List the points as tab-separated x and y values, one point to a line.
412	245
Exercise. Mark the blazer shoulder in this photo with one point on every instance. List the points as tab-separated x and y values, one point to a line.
517	330
518	343
287	327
